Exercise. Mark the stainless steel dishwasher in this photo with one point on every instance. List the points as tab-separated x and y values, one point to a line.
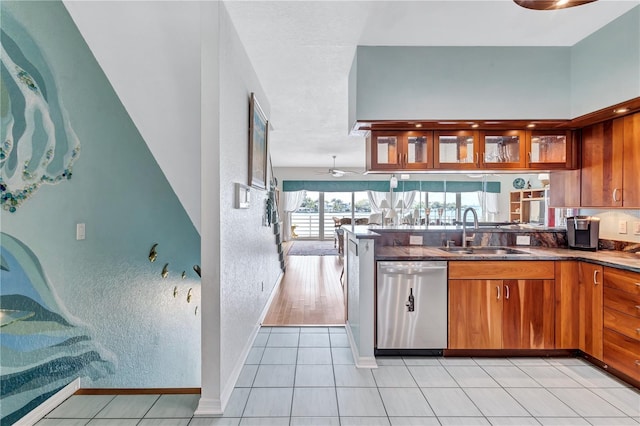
411	306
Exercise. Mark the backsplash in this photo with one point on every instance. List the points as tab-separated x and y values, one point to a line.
489	237
610	220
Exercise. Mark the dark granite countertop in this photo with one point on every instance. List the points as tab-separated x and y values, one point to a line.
616	259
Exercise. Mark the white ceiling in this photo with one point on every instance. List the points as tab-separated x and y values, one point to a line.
302	52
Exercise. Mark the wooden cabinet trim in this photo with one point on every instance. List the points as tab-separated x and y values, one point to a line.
501	269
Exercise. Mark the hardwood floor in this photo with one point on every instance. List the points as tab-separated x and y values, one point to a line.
310	293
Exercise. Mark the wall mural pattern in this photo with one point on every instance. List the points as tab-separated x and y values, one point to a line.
43	347
37	143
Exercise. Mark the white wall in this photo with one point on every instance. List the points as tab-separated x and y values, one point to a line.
407	83
609	221
238	251
142	35
605	67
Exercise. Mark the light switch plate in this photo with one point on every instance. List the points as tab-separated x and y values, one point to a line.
636	228
415	240
622	227
80	231
523	240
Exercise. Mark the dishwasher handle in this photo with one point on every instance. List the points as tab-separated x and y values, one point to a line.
409	269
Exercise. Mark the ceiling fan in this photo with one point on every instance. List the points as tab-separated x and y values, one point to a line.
336	173
550	4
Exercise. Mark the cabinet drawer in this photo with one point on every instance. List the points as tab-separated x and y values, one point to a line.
622	323
622	280
620	301
501	269
622	353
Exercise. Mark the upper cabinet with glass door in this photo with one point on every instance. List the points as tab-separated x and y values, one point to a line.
399	150
551	150
503	149
456	150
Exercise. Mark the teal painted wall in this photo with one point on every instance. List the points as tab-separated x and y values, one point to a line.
605	67
407	83
106	282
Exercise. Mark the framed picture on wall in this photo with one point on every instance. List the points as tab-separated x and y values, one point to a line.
258	132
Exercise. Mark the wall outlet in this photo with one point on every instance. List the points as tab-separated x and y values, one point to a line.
622	227
415	240
523	240
80	231
636	228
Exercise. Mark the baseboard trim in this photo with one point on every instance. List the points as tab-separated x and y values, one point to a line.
360	361
41	410
267	305
136	391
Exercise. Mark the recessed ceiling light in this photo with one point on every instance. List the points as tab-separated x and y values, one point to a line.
621	110
561	2
418	125
530	125
474	125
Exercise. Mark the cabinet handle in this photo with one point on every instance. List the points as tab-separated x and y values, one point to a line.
477	159
529	155
615	195
507	295
498	292
406	159
595	280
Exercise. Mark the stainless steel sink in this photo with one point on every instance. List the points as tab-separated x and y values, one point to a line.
481	250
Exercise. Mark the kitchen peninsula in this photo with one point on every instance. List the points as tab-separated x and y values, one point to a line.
560	285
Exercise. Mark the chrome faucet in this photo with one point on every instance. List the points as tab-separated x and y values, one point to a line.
464	224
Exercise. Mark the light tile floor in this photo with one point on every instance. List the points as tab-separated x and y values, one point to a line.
306	376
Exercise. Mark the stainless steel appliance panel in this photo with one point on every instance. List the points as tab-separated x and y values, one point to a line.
412	305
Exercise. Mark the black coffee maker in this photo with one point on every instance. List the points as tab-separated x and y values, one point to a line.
582	232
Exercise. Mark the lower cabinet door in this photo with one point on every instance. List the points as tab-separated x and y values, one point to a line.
528	314
475	314
622	353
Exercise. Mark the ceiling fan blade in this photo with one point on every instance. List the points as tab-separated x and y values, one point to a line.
550	4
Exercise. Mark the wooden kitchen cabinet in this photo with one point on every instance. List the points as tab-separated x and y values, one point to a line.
475	314
548	149
631	162
501	305
503	149
610	163
456	150
565	188
399	150
621	321
528	314
568	312
590	278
